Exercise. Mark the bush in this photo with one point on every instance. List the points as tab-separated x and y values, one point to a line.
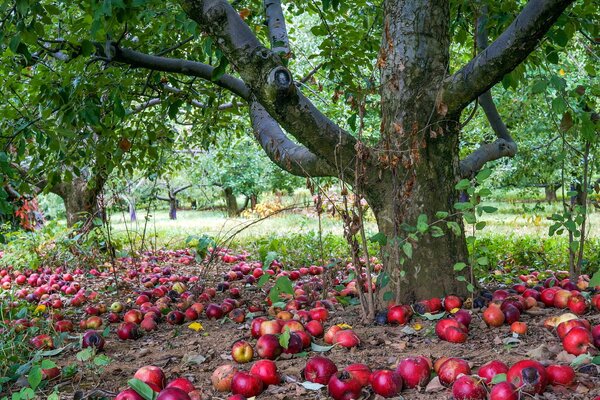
537	253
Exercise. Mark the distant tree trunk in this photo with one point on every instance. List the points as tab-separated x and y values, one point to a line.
172	208
253	201
230	202
172	199
81	200
132	213
550	191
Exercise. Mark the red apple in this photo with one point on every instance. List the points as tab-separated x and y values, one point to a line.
491	369
173	394
342	386
151	375
133	316
361	372
92	339
128	330
577	304
504	391
415	371
270	327
468	388
346	338
519	327
255	327
315	328
577	341
399	314
181	383
330	334
560	375
129	394
319	370
214	311
267	346
386	383
493	315
246	384
266	370
452	302
529	376
451	368
319	314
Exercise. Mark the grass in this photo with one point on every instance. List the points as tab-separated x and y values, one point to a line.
510	219
164	232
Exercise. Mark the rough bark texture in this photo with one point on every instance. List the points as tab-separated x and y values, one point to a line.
230	202
81	200
550	192
173	208
419	146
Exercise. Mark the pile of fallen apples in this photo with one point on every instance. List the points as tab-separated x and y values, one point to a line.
299	320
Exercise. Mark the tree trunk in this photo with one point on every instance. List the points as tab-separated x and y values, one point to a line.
132	213
173	208
81	201
421	146
230	202
253	201
550	191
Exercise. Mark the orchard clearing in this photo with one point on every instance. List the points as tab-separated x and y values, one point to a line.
194	349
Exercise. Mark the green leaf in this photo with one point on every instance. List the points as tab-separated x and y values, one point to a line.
581	359
271	256
284	338
489	209
498	378
47	364
483	261
463	184
460	266
263	280
595	281
422	225
85	354
219	71
102	360
142	389
318	348
480	225
380	238
539	86
433	317
407	249
454	227
483	175
470	288
35	377
387	296
461	278
441	214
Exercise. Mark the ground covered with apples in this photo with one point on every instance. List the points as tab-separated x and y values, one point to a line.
176	326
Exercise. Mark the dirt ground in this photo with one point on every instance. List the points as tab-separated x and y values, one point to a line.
181	351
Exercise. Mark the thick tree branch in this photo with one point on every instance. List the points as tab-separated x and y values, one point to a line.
272	84
191	68
162	198
277	30
503	55
181	189
294	158
504	146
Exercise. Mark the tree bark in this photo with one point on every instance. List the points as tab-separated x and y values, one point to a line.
173	208
253	201
81	200
550	192
132	211
231	203
423	166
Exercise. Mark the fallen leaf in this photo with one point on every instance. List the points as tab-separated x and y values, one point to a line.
540	353
312	385
196	326
434	386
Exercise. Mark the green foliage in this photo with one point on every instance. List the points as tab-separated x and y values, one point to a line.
52	245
